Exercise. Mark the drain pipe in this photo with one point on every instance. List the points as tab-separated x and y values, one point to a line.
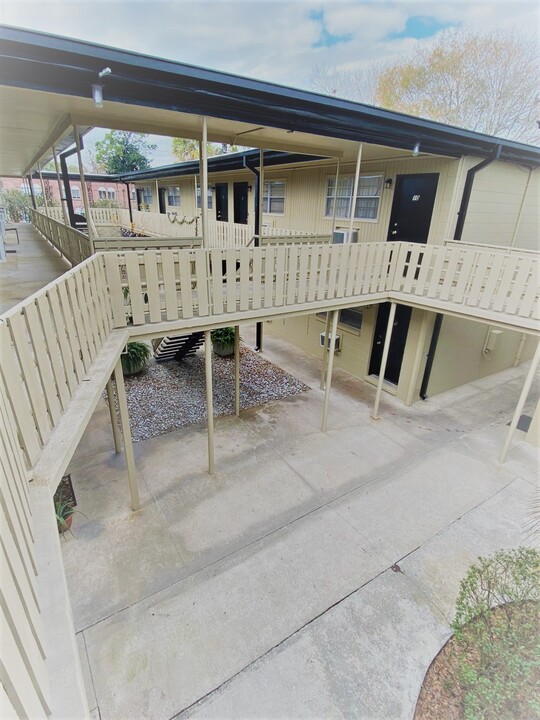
255	171
126	183
462	214
67	187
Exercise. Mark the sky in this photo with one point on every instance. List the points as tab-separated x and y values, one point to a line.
274	40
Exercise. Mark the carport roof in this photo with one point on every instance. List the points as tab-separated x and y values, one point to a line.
51	76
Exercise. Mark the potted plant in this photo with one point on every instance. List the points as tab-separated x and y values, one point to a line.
135	357
223	341
64	515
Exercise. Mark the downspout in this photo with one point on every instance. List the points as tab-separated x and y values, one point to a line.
126	183
462	215
258	327
67	188
31	186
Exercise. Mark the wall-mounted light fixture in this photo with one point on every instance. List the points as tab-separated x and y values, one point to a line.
250	188
97	94
388	183
416	149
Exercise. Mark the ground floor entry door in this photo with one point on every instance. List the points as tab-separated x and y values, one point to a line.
397	344
240	190
222	202
162	200
410	220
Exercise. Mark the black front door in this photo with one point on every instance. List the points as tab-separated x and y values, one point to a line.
410	219
222	202
397	343
412	207
241	202
162	200
139	198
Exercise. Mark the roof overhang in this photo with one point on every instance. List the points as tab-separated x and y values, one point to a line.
45	84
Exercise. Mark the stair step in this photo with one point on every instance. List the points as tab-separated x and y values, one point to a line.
177	347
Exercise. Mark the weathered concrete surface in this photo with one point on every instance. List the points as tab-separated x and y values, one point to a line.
34	264
265	590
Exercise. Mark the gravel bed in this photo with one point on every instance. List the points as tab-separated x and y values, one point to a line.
170	395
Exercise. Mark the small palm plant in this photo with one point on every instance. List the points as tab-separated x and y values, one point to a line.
64	515
135	358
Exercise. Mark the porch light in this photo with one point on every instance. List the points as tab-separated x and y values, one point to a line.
388	183
416	149
97	94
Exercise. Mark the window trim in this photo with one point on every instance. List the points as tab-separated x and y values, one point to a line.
75	192
210	198
345	327
111	193
173	187
102	193
327	197
268	197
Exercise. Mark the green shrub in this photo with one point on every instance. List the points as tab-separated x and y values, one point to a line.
223	335
135	358
498	652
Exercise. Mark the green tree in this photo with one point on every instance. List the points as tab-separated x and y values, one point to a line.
184	149
17	204
487	83
483	82
122	151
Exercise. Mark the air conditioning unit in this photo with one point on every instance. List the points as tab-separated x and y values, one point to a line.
342	237
338	341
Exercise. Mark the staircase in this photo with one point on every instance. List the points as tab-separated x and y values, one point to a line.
177	347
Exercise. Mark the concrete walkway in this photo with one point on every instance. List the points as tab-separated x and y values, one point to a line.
314	576
29	266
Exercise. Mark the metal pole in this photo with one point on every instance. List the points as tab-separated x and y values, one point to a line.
521	402
258	232
209	399
112	410
203	171
62	200
335	198
45	203
384	359
335	314
32	194
237	370
355	188
157	196
325	350
126	432
89	221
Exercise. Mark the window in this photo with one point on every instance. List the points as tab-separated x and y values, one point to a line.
173	196
350	317
274	197
367	198
102	193
111	194
146	195
75	192
209	198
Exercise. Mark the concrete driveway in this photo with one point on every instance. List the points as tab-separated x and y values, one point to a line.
267	591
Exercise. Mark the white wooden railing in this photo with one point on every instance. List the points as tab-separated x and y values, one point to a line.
72	243
59	347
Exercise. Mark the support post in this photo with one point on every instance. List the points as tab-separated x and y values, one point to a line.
32	194
89	221
62	199
335	197
237	370
126	432
45	203
384	359
355	188
521	402
209	400
325	350
203	173
112	410
258	232
335	314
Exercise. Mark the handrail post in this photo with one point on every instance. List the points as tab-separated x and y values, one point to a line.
126	432
209	399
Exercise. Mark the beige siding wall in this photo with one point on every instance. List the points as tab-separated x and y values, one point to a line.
459	358
498	193
306	188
